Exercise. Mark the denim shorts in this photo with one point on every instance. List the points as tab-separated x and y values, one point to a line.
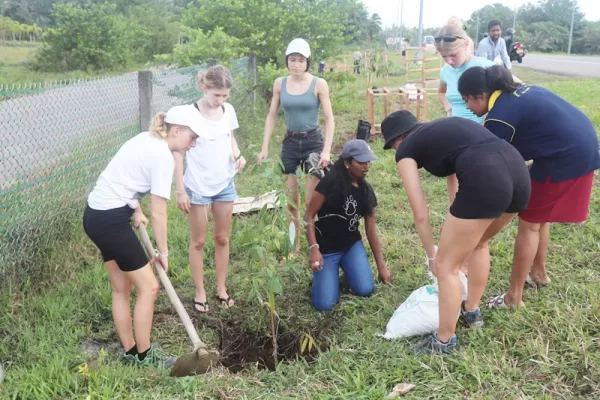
295	151
225	195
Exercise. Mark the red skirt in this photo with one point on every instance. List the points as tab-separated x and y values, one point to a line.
566	202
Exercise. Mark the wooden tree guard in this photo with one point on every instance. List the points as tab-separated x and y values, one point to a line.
395	100
341	67
423	69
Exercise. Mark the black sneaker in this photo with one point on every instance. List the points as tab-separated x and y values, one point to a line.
471	319
431	344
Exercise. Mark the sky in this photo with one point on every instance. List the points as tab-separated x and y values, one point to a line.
437	12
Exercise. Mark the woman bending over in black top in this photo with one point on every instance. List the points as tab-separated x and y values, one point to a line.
493	187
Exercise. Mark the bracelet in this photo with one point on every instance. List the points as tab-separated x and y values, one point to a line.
430	259
160	254
313	245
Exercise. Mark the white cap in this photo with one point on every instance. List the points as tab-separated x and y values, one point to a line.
188	115
299	46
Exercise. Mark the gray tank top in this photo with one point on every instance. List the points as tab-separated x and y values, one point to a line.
301	110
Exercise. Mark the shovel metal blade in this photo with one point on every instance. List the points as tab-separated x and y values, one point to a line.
195	363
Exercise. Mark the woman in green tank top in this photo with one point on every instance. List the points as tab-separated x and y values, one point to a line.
301	95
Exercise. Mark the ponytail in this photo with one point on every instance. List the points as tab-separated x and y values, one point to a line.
476	81
159	127
500	78
215	77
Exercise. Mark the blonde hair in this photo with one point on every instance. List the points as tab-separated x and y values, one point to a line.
159	127
455	26
215	77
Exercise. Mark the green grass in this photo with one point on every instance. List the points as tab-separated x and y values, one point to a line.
16	61
12	54
549	349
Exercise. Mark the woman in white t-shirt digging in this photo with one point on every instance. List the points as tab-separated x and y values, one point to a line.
208	182
144	164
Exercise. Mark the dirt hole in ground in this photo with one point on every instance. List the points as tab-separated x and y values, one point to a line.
241	349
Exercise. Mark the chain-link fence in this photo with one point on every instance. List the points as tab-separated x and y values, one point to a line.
55	139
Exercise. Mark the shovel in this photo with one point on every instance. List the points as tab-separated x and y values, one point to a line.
202	358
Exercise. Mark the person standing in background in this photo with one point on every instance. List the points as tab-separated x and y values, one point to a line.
493	47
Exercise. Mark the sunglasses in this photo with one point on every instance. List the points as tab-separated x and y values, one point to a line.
447	38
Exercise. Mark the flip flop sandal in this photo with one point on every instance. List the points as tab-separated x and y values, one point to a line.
201	304
225	302
496	301
533	283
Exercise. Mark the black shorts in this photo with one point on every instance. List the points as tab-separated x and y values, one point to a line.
112	233
492	179
295	151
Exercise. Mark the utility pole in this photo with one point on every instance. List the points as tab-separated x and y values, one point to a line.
477	32
401	22
571	33
420	34
397	33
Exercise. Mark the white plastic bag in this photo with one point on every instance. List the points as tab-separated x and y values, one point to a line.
419	314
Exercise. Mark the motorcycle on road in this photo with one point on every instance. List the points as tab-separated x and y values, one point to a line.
516	50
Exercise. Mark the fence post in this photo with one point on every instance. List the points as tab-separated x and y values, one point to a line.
253	78
145	91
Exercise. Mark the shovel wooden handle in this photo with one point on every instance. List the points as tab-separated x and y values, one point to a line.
183	315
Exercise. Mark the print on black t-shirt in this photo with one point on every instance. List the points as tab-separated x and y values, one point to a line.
337	228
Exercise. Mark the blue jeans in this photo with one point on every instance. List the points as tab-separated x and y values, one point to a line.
357	271
226	195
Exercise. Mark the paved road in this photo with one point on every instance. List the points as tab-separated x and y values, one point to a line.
563	65
40	129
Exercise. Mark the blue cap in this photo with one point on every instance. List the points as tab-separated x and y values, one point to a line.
359	150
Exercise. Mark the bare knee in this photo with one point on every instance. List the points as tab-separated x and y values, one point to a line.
149	291
122	289
197	244
222	240
529	227
445	270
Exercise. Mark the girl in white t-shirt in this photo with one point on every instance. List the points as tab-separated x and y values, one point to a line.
208	182
144	164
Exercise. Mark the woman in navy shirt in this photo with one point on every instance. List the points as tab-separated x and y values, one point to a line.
563	145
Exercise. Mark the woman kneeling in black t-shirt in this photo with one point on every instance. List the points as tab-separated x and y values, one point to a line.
493	187
340	199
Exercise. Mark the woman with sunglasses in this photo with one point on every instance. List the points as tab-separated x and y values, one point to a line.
563	144
456	48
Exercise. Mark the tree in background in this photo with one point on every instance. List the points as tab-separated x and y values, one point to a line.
265	27
13	30
106	35
84	39
589	42
543	26
486	14
374	26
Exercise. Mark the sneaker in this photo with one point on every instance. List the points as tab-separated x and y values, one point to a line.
128	359
471	319
155	358
431	344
